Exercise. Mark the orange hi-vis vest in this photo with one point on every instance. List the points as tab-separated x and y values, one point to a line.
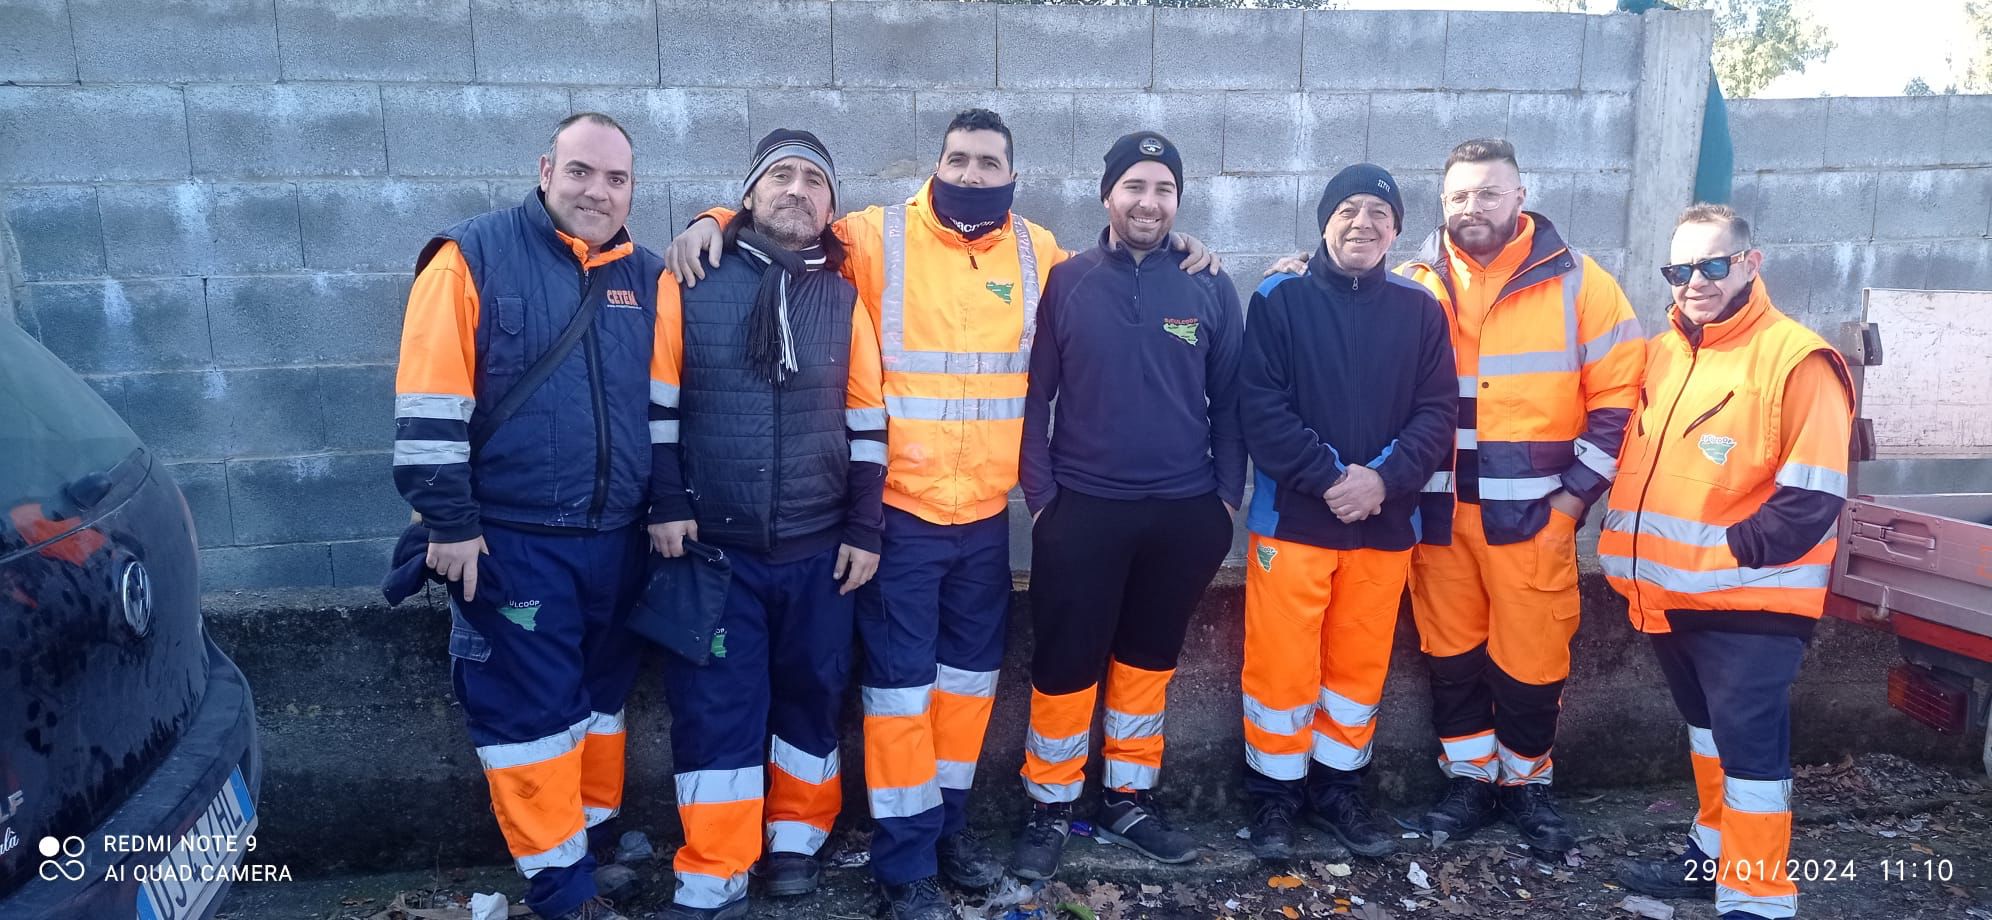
1706	449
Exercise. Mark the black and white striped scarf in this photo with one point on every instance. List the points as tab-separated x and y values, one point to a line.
770	343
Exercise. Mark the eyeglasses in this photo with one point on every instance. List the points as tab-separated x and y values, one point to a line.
1714	269
1477	197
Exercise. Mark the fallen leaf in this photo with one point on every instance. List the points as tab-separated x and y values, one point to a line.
1283	882
1660	806
1290	913
1416	875
1643	906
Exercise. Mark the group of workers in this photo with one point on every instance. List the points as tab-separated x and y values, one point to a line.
844	405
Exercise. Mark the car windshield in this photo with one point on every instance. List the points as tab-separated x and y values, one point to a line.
60	444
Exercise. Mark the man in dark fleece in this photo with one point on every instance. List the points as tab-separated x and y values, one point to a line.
1132	500
1348	404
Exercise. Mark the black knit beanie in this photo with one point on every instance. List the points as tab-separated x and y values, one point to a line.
1360	179
1134	148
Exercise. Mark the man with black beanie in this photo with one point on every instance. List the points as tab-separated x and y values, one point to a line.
768	426
1348	406
1132	497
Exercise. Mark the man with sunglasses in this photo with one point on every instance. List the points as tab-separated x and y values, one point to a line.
1720	534
1549	358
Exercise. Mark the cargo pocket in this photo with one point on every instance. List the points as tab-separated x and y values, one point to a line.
505	347
1556	562
465	641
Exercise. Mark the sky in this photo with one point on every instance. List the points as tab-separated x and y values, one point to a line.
1881	44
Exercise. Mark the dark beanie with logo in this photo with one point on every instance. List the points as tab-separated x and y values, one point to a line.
1134	148
1360	179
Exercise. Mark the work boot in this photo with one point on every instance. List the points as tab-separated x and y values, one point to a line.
921	900
1336	804
787	875
966	862
617	882
1467	806
731	911
1532	809
1684	877
1272	829
597	909
1042	841
1133	820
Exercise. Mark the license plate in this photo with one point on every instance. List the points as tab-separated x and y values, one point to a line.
187	881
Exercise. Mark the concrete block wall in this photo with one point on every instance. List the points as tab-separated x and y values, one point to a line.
213	205
1847	193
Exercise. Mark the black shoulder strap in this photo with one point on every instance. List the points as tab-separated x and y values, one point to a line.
584	317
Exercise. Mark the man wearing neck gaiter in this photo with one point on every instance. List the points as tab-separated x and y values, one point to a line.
954	276
768	424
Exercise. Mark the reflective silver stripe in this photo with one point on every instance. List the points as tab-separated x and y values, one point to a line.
1518	490
1527	362
1467	385
538	750
1707	838
596	815
864	419
892	311
1684	581
430	453
1477	747
801	764
710	891
1489	772
1279	721
1121	774
1126	726
1815	478
955	774
1052	794
1515	768
1701	742
567	853
1466	439
664	394
604	723
1345	711
897	701
1770	907
664	431
1338	755
445	406
905	801
1276	766
954	410
1471	758
1756	796
1441	481
1596	349
712	787
865	451
1667	527
795	837
1572	283
965	683
1057	750
1597	459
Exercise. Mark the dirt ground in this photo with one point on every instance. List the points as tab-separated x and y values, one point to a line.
1876	837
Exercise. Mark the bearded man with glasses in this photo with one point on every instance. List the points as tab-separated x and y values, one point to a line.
1549	361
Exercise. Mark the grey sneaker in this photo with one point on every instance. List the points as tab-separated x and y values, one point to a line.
1042	842
1133	820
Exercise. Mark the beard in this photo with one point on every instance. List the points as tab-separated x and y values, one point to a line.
1481	237
789	223
1139	236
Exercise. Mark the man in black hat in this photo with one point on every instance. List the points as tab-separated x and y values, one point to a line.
768	425
1131	500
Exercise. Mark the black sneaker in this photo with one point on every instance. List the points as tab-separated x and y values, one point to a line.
1344	812
1272	829
731	911
1532	809
1467	806
788	875
1043	841
921	900
597	909
1686	877
967	863
1133	820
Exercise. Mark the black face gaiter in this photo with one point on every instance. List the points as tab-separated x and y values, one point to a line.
973	211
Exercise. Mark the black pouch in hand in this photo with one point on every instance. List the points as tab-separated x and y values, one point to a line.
683	599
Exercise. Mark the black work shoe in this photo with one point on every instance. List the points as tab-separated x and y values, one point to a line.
1043	841
921	900
1467	806
1133	820
1344	812
597	909
787	875
731	911
1272	829
1532	809
967	863
616	882
1685	878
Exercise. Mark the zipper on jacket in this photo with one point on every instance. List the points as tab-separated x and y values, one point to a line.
1134	303
775	468
1659	443
1709	414
601	418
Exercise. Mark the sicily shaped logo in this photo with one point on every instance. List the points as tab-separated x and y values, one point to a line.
1716	447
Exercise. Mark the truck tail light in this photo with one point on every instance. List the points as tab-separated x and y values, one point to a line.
1930	697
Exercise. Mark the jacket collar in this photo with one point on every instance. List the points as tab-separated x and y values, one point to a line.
542	222
1739	323
1117	254
921	207
1548	258
1322	270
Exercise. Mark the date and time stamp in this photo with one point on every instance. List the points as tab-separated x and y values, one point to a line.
1922	868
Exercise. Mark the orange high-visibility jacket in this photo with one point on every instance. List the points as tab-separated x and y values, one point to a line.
956	319
1721	427
1546	384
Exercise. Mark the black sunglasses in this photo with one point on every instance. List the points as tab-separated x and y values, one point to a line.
1714	269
